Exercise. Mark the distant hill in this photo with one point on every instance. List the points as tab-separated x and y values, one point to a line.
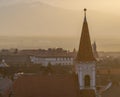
38	19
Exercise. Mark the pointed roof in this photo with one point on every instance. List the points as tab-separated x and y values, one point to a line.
85	53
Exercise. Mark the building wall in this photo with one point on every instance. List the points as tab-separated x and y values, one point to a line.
84	69
52	61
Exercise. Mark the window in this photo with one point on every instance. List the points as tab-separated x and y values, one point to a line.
87	81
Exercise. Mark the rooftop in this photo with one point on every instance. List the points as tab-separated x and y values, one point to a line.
113	91
49	86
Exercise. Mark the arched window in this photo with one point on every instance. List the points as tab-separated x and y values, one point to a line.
87	81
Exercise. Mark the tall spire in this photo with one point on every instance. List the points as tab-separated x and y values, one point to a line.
85	53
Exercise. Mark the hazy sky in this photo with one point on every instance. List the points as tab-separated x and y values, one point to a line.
109	5
62	19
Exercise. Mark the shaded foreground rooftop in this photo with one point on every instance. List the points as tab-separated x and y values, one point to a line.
113	91
49	86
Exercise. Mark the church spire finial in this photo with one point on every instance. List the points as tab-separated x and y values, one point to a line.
85	14
85	11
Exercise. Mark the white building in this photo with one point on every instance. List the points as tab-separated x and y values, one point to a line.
64	60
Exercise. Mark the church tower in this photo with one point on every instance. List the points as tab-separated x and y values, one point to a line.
85	61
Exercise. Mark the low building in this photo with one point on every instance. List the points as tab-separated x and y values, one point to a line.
53	60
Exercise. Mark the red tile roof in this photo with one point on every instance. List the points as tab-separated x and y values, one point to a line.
46	86
49	86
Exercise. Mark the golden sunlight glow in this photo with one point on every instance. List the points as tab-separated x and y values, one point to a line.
62	19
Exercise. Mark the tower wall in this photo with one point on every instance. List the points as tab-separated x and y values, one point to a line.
86	69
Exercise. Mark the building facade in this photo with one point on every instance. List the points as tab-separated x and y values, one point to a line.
58	60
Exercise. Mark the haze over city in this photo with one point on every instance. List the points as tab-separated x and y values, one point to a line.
58	23
59	48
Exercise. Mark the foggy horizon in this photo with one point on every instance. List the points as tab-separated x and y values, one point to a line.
38	42
57	23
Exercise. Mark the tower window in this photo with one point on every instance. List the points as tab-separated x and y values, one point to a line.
87	81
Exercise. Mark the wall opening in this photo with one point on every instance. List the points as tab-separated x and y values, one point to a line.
87	81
